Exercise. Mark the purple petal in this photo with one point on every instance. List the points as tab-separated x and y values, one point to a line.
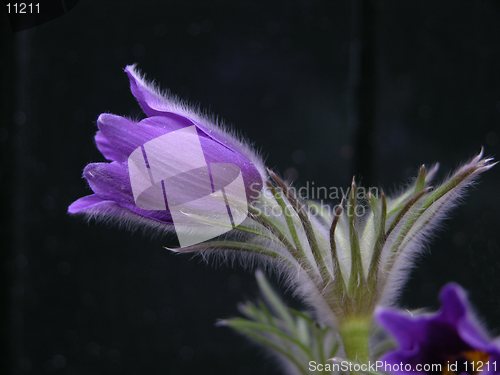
454	303
104	138
85	204
433	338
106	148
151	101
168	121
97	208
218	153
118	136
153	104
399	324
457	311
110	182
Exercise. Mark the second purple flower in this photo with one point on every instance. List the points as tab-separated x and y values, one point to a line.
451	338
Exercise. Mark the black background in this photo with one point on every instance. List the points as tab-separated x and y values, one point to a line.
325	89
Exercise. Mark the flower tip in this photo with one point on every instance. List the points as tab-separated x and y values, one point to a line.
89	172
454	291
106	118
130	68
135	79
85	205
73	208
451	287
101	119
453	294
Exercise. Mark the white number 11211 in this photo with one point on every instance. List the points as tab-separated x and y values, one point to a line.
23	8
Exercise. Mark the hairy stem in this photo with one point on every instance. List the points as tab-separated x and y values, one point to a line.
355	333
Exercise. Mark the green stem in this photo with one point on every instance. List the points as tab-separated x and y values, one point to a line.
355	333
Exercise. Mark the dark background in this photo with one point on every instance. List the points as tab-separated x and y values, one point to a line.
325	89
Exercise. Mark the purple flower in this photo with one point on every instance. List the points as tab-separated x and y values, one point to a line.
118	137
451	337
